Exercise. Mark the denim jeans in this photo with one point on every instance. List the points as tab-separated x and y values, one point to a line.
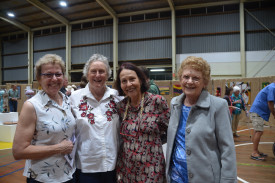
13	105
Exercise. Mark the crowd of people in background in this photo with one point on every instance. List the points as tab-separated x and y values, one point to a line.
99	134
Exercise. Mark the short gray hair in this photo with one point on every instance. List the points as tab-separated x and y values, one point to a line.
97	58
236	88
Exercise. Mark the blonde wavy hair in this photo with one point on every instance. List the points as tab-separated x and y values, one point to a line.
48	59
198	64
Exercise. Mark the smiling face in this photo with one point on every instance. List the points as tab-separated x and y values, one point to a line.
192	83
236	93
130	83
97	75
51	85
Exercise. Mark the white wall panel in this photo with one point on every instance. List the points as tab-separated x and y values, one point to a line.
259	63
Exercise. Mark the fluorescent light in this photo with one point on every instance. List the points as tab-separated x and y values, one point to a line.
63	3
10	14
157	70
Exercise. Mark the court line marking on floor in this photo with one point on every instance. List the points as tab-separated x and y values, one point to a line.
3	156
9	163
6	154
240	179
245	130
249	164
5	149
251	129
12	172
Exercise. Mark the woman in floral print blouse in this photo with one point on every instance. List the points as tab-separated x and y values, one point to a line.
97	124
144	120
46	126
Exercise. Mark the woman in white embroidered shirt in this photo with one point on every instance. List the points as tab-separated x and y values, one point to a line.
97	124
45	127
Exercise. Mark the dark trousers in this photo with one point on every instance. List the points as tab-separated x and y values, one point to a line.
13	105
99	177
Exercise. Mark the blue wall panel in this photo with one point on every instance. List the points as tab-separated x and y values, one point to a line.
15	60
204	44
208	24
259	41
265	17
16	74
144	29
15	46
96	35
51	41
82	54
151	49
38	55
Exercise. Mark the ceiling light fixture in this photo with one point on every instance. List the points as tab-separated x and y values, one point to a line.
157	70
63	3
10	14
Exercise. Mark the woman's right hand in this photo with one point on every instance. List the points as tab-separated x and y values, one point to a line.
66	147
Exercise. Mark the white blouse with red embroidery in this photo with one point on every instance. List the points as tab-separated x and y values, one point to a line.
97	130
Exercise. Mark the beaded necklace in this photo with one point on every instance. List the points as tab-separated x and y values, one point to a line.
141	108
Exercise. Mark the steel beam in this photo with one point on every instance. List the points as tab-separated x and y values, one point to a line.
49	11
107	7
30	57
15	23
242	41
173	24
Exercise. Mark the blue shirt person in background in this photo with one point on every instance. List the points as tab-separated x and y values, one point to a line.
260	111
13	97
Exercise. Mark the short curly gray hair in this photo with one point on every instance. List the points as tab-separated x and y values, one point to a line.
95	58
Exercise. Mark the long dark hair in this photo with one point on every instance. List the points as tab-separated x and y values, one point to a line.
143	85
228	90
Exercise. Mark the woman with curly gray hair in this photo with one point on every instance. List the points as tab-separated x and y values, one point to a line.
200	146
97	124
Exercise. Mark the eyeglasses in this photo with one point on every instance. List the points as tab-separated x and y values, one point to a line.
194	79
50	75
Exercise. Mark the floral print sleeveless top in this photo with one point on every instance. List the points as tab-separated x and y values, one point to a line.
54	124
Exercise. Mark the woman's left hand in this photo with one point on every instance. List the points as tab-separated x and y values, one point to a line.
65	147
